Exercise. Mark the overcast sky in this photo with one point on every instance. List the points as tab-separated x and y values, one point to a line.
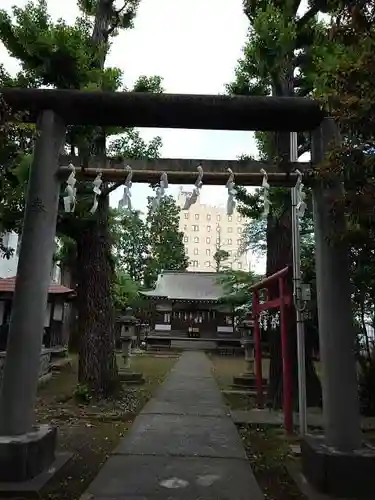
193	45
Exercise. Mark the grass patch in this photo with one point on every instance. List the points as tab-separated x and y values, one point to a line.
224	368
268	453
240	401
92	431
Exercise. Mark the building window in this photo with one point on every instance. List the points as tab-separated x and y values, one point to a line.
238	242
167	317
207	263
239	265
195	251
208	228
186	239
196	216
229	241
229	218
230	229
195	228
228	320
208	240
208	216
186	215
185	227
196	239
208	251
186	249
218	229
217	240
194	263
239	230
218	217
239	218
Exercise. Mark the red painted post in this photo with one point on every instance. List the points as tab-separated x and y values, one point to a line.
258	350
287	368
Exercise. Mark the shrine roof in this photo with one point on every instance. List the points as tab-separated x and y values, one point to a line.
185	285
7	285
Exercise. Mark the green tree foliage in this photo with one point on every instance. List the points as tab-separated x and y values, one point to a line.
277	60
220	256
166	247
131	245
236	286
125	291
344	82
73	56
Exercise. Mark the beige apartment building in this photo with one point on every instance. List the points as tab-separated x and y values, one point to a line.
208	228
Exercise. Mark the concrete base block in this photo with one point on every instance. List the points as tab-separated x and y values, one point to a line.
246	381
133	378
24	457
331	472
33	488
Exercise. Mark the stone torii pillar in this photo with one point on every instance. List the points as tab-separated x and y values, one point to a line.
336	463
26	450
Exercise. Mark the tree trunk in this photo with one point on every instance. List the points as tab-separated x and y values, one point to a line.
70	330
279	255
97	362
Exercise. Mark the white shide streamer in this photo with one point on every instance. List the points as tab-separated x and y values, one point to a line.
231	203
301	196
71	192
266	188
160	190
126	201
190	200
97	182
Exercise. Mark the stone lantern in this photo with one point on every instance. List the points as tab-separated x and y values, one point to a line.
248	344
127	331
247	379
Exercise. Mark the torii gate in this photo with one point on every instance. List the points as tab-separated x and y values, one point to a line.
53	110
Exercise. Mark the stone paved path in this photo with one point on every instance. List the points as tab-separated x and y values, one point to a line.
183	445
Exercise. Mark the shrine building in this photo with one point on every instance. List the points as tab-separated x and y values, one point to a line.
187	313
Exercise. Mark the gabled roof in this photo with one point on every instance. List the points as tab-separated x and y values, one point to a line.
7	286
184	285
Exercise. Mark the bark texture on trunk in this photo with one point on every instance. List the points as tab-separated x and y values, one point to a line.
97	362
279	255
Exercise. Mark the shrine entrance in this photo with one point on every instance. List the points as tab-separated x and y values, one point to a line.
53	111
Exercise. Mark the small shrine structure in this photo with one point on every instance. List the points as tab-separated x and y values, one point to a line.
58	295
187	313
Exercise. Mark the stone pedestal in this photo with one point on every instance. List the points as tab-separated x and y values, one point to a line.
126	374
337	473
26	456
247	380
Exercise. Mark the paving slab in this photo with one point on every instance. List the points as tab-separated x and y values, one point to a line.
204	409
184	478
183	436
183	445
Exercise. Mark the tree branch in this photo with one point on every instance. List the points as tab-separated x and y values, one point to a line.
310	14
112	188
117	21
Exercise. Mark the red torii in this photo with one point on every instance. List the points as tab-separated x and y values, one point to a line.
282	302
